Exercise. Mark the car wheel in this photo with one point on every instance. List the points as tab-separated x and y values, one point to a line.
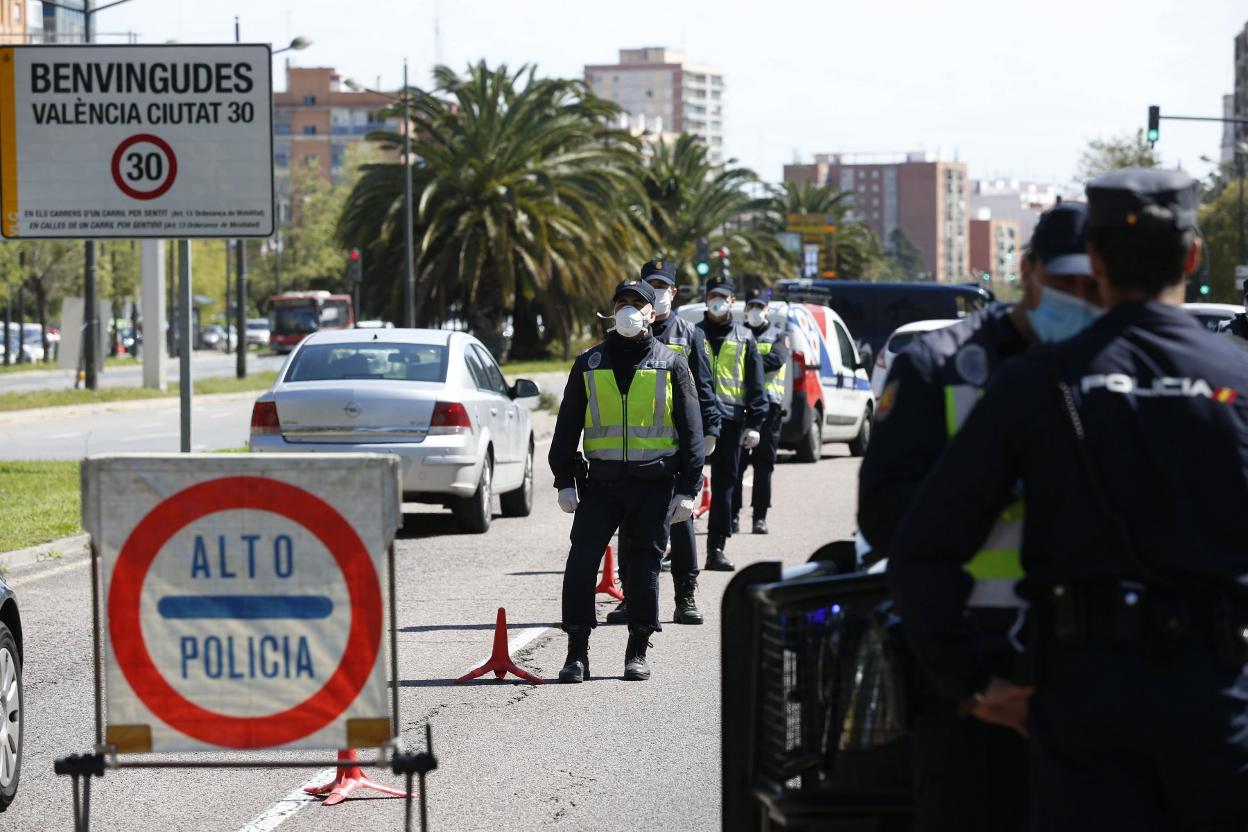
474	513
10	717
810	449
858	445
519	503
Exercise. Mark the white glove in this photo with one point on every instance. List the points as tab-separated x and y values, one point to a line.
567	499
680	509
708	445
750	439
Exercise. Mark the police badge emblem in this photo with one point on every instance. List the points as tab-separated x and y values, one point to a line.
595	358
972	365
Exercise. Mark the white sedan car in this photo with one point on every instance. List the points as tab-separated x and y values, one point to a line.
436	399
901	338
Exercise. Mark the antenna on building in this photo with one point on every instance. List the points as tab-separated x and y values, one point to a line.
437	34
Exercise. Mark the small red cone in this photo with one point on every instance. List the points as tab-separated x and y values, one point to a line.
705	505
500	658
607	584
347	779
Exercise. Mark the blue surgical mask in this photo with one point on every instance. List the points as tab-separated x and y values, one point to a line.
1060	316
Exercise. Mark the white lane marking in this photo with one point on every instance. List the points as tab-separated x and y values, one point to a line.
60	570
71	435
284	809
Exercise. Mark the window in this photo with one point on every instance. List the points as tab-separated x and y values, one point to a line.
479	376
649	94
309	100
280	159
309	129
497	383
849	357
312	159
369	360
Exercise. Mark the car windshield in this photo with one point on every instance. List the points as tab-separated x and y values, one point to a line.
257	325
371	360
295	320
902	340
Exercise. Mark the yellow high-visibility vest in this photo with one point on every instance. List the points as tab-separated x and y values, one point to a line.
729	370
775	379
629	427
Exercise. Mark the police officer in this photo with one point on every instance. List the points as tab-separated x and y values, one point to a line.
1130	441
634	401
931	389
738	372
773	346
685	339
1238	324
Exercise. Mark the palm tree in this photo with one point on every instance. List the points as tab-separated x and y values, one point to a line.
858	251
689	197
523	193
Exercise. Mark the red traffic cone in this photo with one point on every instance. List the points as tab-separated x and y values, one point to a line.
705	505
347	779
500	658
607	584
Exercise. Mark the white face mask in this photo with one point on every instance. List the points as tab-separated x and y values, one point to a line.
718	307
629	322
663	303
756	316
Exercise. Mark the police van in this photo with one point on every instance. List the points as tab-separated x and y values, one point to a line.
827	395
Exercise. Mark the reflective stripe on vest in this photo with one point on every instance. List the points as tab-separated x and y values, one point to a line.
997	566
636	427
729	367
775	379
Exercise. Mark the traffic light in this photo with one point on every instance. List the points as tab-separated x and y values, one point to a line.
724	263
1154	125
702	260
987	276
355	265
1204	289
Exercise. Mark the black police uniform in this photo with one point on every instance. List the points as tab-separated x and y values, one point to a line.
763	456
969	776
1132	550
632	496
735	420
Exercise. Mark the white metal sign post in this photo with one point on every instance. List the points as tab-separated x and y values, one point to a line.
136	141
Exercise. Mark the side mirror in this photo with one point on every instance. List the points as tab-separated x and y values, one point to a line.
525	389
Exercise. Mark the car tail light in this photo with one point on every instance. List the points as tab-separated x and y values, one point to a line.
799	362
449	417
264	419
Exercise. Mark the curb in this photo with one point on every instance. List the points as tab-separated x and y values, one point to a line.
44	553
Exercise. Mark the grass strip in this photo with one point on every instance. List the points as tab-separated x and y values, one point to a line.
62	398
39	501
550	365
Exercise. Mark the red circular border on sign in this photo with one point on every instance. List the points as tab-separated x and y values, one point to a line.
258	494
150	139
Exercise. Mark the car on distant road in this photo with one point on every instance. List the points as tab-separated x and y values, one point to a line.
903	337
12	714
213	337
257	332
1213	314
434	398
827	397
22	353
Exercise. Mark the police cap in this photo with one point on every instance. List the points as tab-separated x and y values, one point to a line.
758	296
720	285
1152	200
664	270
1059	241
636	287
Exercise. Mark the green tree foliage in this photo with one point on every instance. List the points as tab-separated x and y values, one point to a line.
858	252
1117	152
904	257
1219	224
523	195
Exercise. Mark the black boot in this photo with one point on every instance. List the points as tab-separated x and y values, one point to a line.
576	666
760	522
715	560
686	608
635	667
619	615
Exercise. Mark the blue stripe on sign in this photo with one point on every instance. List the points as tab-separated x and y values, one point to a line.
248	607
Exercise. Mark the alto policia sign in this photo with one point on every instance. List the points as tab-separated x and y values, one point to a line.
244	599
136	141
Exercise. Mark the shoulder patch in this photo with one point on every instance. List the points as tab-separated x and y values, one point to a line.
595	360
887	399
972	364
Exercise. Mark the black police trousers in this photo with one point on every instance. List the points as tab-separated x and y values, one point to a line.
638	508
684	552
763	458
1146	736
725	471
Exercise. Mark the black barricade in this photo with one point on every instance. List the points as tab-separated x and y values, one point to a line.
815	694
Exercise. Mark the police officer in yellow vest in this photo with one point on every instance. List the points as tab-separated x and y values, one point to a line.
970	775
630	403
738	372
773	346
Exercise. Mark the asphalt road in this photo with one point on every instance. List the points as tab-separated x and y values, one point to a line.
204	364
605	755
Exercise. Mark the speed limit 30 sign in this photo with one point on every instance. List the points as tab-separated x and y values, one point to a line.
136	141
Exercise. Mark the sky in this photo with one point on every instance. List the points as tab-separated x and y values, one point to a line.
1014	89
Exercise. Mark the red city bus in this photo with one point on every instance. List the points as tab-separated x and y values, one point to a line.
295	315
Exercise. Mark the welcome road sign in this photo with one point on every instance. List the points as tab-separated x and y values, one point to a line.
136	141
243	598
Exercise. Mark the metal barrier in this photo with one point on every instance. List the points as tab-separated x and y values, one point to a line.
814	703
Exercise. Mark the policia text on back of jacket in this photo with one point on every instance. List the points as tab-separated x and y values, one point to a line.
631	403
